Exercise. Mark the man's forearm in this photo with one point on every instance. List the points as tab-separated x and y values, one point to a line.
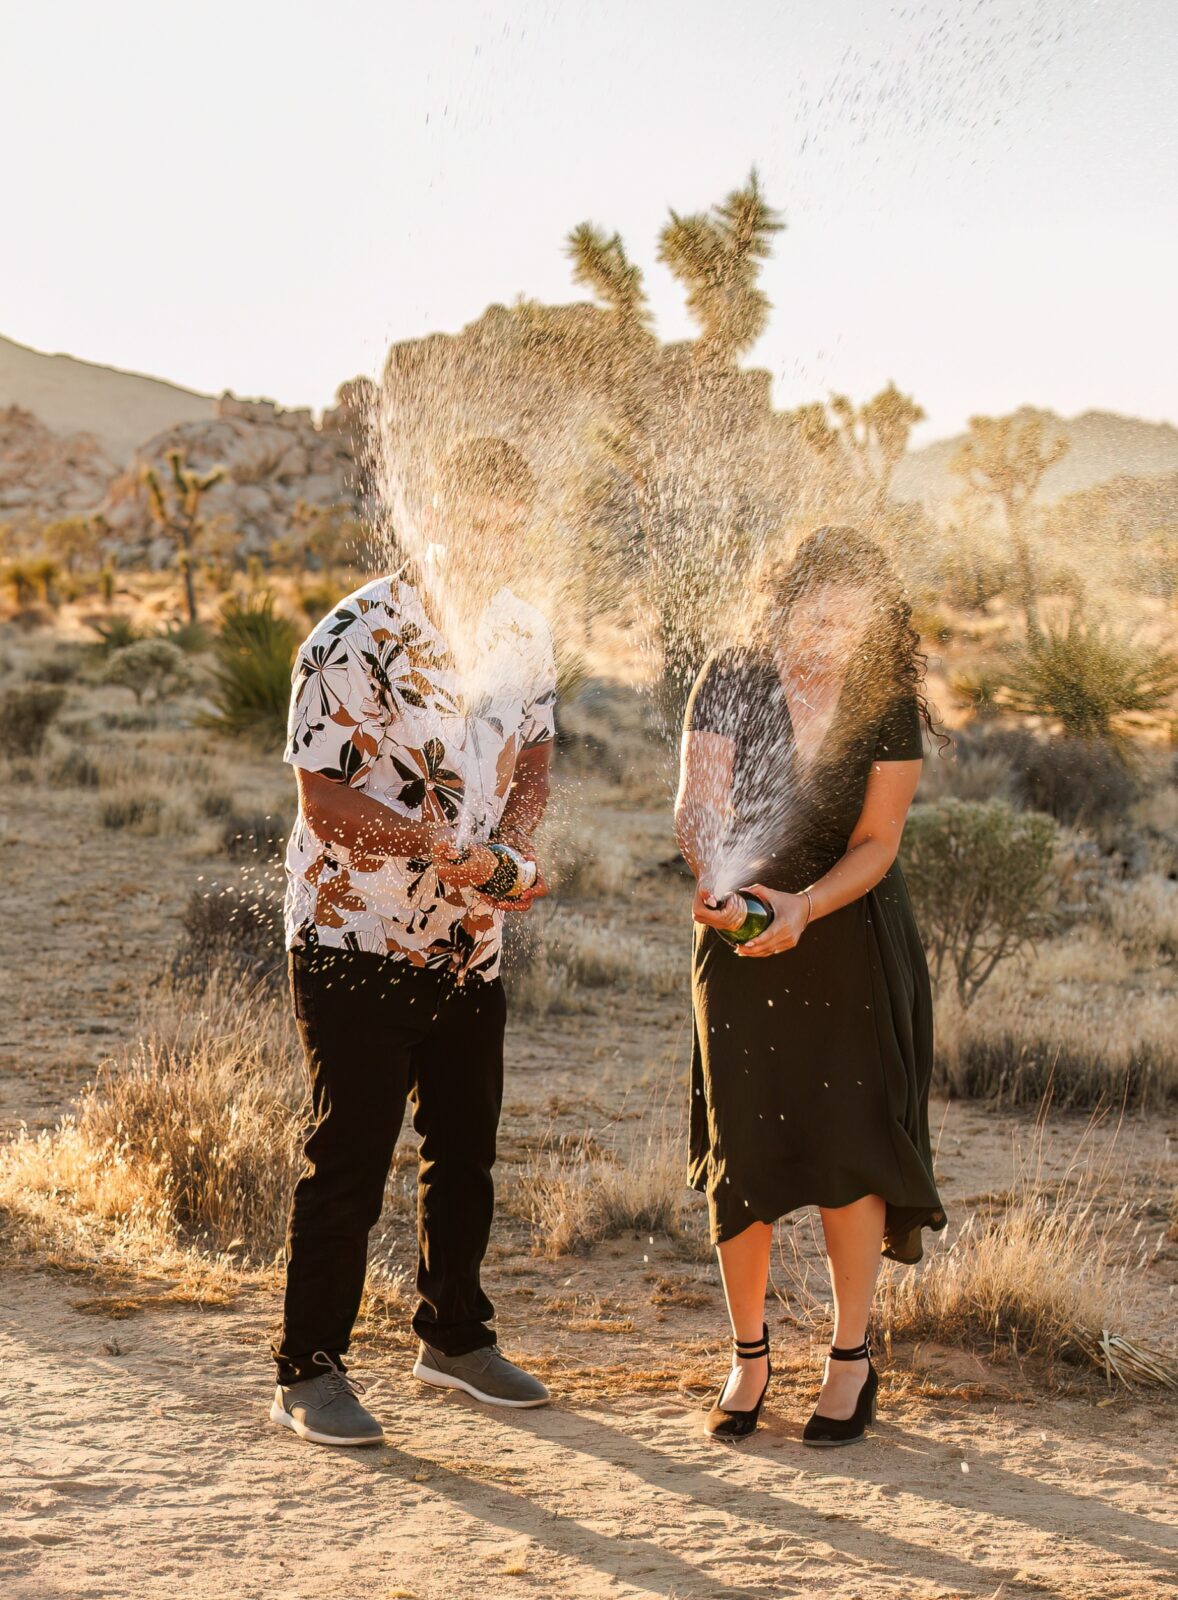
339	815
525	807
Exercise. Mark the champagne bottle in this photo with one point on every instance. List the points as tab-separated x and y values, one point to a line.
513	876
757	917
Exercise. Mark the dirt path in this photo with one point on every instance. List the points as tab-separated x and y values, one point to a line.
131	1474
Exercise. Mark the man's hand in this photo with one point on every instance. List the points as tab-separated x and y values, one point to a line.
520	902
462	869
791	912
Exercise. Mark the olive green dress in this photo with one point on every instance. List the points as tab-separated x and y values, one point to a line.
811	1067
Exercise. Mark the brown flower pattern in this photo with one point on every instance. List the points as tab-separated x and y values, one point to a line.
377	704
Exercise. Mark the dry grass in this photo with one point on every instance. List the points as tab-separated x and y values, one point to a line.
1041	1272
1078	1018
577	1194
191	1140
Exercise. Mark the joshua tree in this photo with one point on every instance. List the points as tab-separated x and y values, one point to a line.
600	263
869	439
717	256
1005	458
175	507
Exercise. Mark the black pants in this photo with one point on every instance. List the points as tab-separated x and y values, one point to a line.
375	1033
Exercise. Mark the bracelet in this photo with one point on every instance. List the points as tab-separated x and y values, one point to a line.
810	910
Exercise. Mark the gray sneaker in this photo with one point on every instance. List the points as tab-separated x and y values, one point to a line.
326	1409
487	1374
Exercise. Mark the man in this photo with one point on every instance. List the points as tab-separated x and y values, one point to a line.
421	726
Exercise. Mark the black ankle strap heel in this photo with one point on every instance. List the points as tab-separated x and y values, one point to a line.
726	1424
828	1431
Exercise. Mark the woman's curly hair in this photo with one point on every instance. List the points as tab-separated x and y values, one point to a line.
892	664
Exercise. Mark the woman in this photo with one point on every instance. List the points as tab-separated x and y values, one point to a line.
813	1042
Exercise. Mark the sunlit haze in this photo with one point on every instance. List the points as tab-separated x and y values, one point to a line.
979	198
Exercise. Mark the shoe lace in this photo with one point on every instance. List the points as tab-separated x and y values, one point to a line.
335	1378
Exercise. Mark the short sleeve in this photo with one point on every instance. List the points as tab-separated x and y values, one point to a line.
337	717
538	724
714	695
899	736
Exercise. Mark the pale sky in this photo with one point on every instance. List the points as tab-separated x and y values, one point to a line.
259	195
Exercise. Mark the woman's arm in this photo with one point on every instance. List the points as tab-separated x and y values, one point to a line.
703	818
871	850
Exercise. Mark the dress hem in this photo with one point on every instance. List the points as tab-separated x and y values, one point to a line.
936	1219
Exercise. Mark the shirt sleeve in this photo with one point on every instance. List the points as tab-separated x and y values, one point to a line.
538	725
337	719
899	736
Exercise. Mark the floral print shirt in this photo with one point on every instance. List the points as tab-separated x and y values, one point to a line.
377	703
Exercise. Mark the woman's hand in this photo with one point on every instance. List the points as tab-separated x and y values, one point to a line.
791	913
727	915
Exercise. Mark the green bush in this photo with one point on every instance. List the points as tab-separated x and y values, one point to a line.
114	633
978	874
26	714
1088	676
253	655
151	668
191	637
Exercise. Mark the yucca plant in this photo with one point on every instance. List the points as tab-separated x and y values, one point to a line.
252	653
1088	676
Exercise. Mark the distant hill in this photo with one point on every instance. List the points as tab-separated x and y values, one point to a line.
120	409
1103	446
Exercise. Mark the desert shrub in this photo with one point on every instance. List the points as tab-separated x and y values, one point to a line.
1142	916
192	1136
19	580
231	927
215	804
317	599
65	665
26	715
1036	1272
149	667
577	1194
1074	1021
137	813
191	637
75	770
253	654
29	618
977	873
974	772
979	688
256	835
1088	676
114	633
45	574
970	577
1079	782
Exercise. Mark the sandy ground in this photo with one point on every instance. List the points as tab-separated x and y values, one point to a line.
127	1474
137	1453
